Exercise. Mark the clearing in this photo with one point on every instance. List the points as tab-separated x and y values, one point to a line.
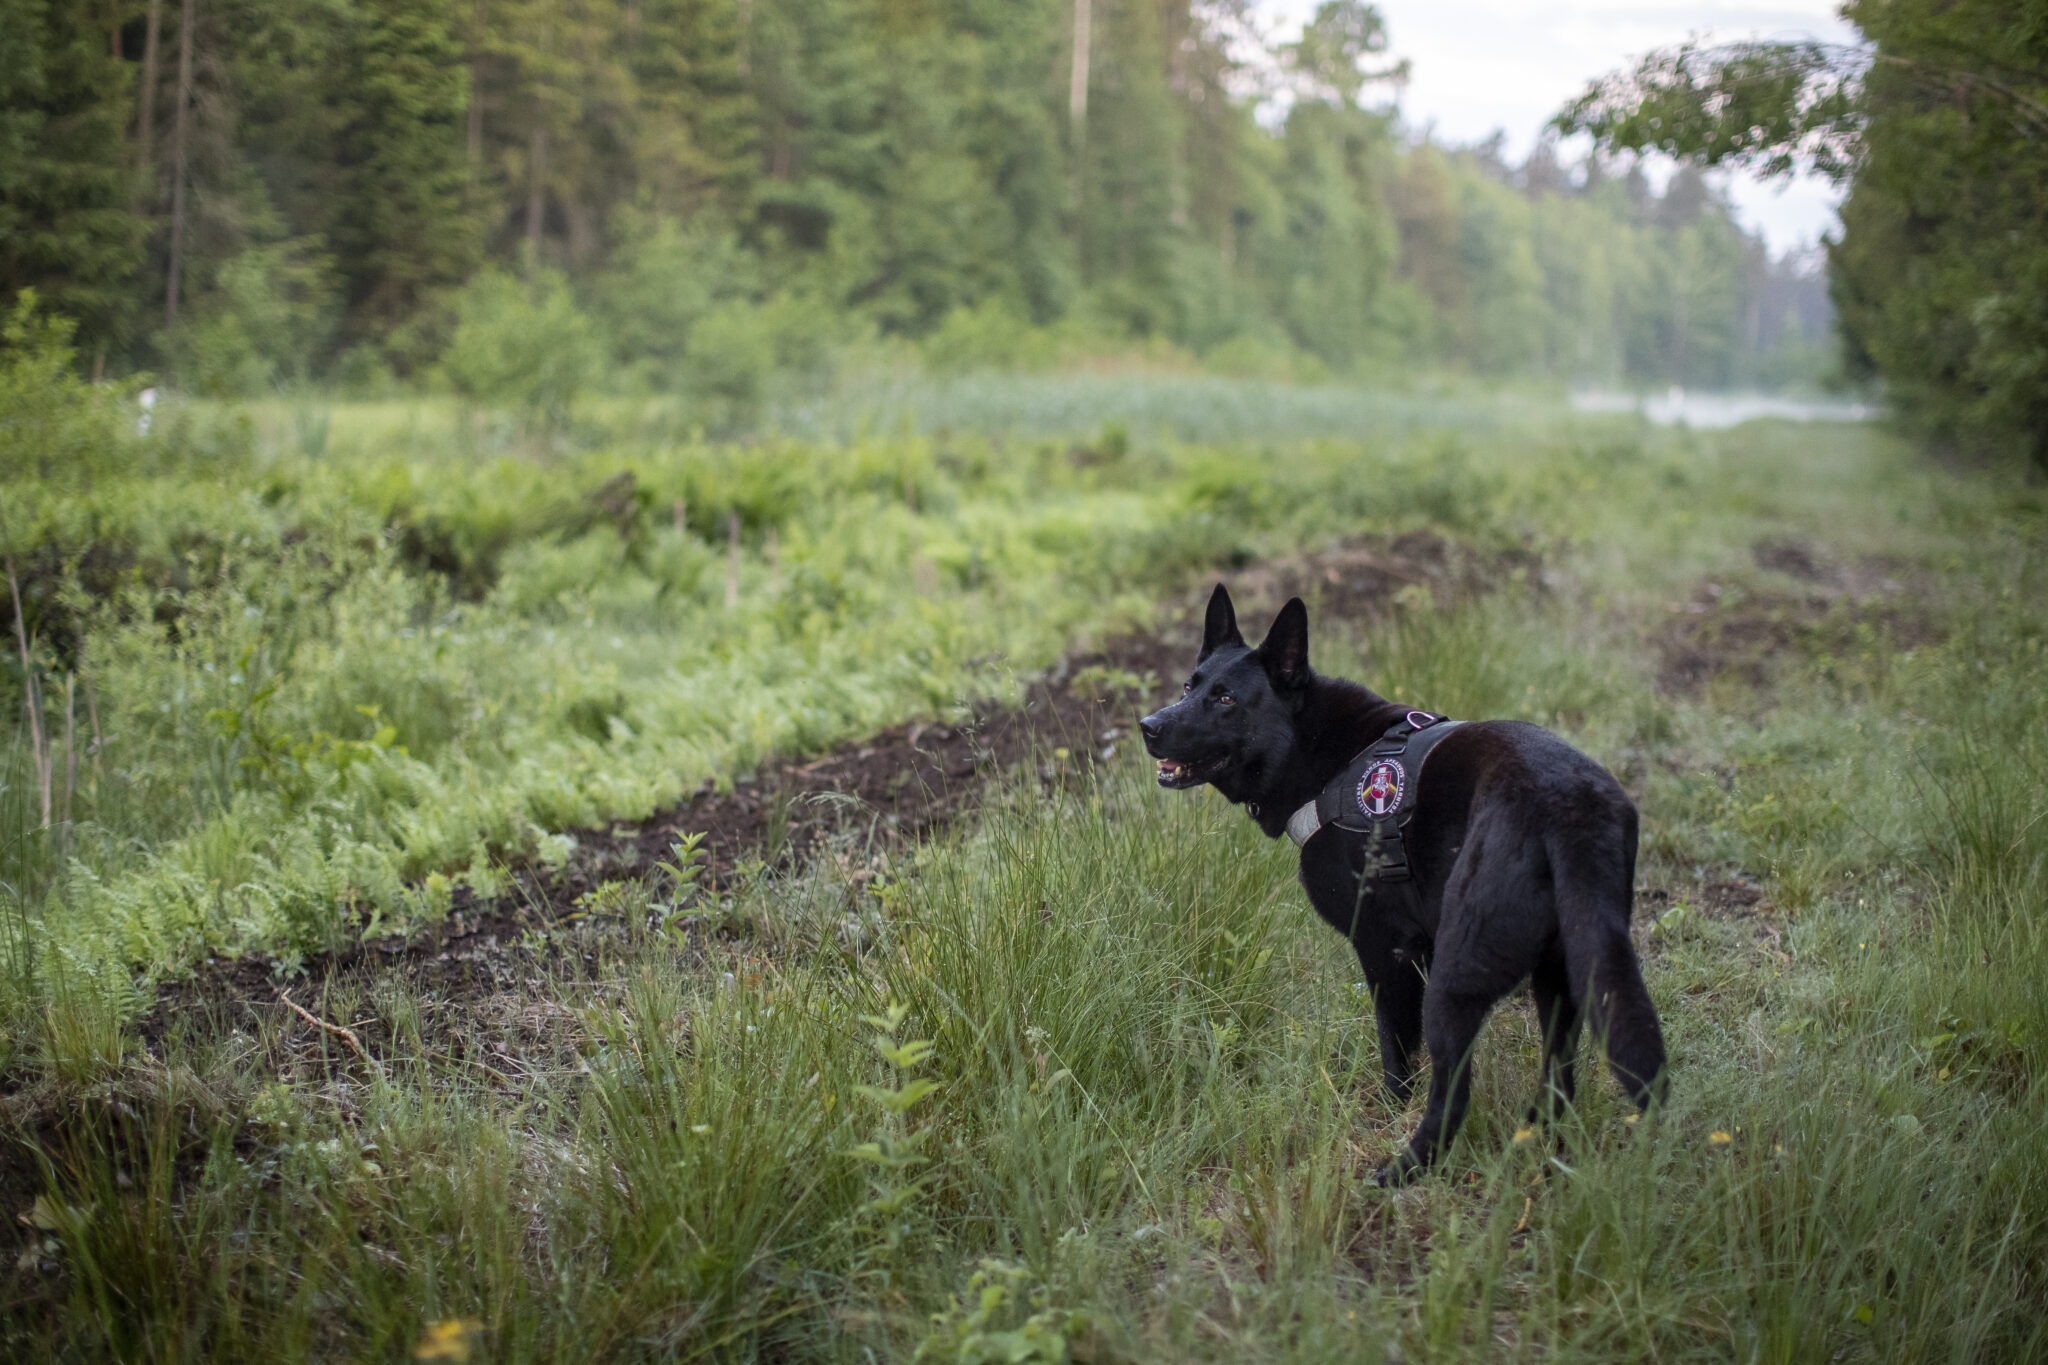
380	996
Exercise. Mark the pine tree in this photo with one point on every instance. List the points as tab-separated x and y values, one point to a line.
65	174
405	225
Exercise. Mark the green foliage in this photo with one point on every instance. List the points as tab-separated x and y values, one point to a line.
55	429
974	1332
262	324
892	1153
663	279
1758	104
522	344
1340	35
1941	131
65	169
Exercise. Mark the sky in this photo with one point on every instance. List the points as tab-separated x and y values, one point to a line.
1481	65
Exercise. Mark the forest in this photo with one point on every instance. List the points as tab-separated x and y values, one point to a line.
692	195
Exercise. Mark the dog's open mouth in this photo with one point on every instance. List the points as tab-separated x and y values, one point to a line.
1174	773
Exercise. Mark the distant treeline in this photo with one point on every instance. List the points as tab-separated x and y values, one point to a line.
1937	124
690	193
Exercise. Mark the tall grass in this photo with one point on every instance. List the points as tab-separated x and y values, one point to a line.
1085	1079
1155	1101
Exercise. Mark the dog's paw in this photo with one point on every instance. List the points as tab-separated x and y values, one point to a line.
1398	1172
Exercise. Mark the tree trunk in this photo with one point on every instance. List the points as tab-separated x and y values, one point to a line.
583	234
1180	27
536	195
187	18
1077	103
145	121
1077	82
476	94
476	113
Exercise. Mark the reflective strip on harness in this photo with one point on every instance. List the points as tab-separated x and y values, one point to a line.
1377	790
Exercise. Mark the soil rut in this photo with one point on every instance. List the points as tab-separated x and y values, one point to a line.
892	787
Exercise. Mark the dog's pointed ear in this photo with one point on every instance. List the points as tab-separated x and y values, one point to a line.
1284	651
1220	627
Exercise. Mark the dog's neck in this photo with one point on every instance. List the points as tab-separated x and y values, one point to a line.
1334	720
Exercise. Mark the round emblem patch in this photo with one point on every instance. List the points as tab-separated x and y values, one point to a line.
1379	791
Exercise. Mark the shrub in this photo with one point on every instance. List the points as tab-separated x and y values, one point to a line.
269	313
522	344
53	425
665	278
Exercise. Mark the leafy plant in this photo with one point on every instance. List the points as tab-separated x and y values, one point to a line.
894	1152
275	760
522	344
1004	1319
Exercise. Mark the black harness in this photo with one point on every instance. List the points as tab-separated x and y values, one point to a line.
1375	797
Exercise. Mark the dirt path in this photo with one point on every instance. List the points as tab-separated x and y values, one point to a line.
894	787
891	788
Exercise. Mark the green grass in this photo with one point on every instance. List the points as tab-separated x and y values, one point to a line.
322	686
1155	1082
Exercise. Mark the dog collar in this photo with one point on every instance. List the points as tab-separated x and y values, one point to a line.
1378	789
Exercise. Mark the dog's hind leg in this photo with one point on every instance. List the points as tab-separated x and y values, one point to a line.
1489	931
1558	1015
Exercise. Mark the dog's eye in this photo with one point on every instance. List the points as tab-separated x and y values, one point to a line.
1225	699
1187	687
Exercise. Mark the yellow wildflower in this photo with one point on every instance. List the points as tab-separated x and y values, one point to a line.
447	1340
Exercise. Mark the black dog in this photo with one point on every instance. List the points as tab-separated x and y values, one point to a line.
1522	853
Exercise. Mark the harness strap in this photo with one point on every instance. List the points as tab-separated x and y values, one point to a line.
1376	793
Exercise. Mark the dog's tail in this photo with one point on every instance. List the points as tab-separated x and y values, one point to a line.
1595	888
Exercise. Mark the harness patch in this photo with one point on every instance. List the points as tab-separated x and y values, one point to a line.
1379	791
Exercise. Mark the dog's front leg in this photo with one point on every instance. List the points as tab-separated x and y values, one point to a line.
1397	1008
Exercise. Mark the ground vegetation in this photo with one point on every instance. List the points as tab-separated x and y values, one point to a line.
682	897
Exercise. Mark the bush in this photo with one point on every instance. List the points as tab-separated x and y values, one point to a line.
269	313
522	344
665	278
53	425
990	335
732	353
739	346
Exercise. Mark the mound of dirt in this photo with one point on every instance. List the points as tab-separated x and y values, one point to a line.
1359	579
1741	627
890	787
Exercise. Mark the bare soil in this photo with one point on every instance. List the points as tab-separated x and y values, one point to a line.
1741	627
890	788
